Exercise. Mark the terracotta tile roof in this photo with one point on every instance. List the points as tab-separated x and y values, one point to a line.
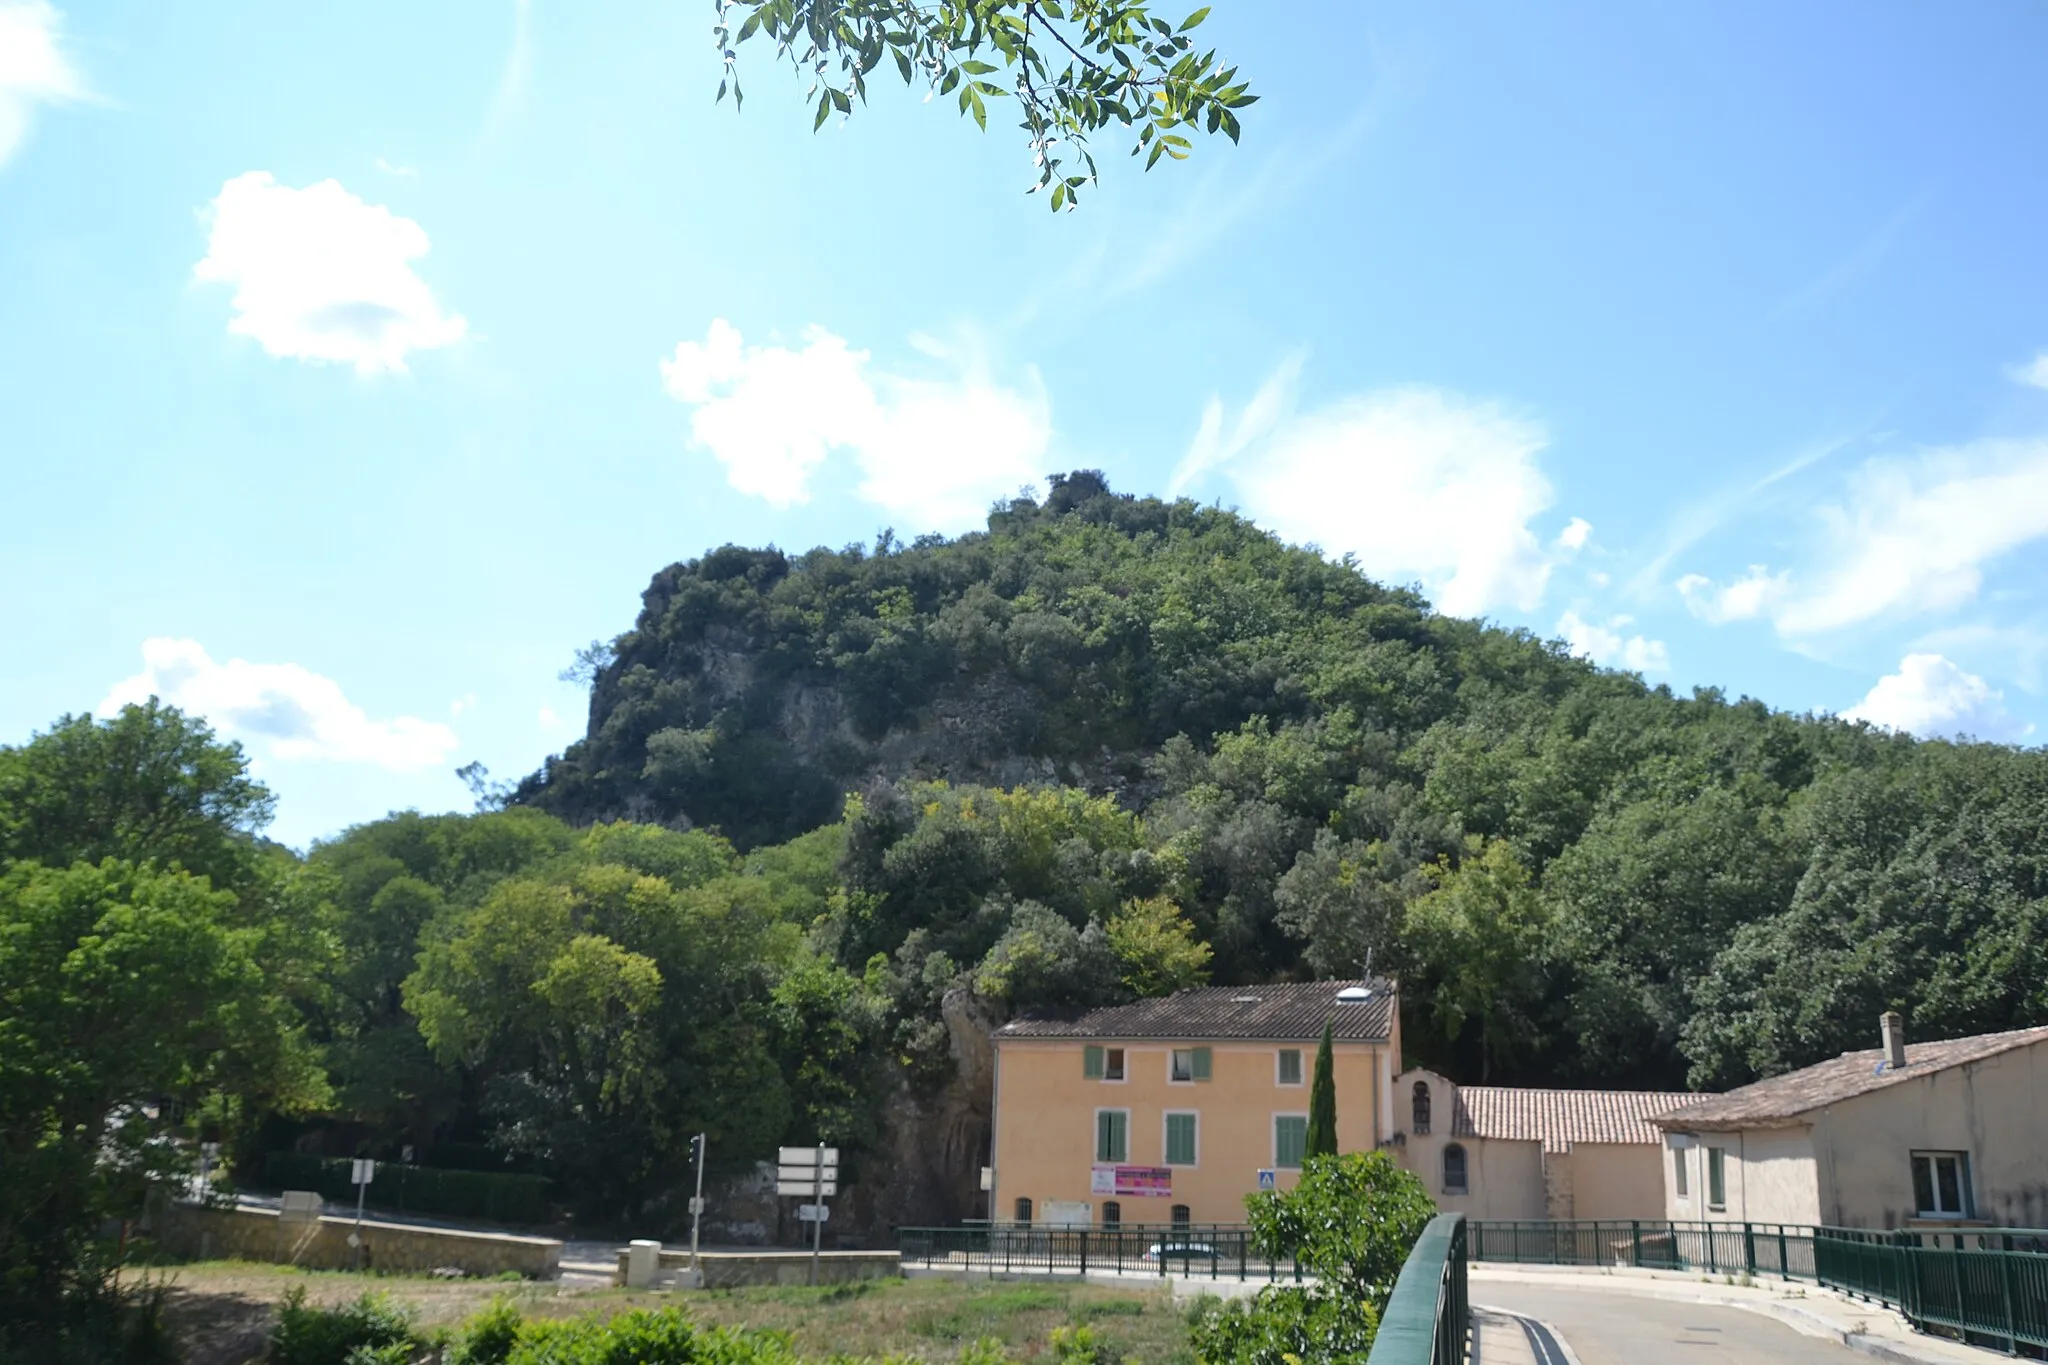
1785	1097
1289	1012
1559	1118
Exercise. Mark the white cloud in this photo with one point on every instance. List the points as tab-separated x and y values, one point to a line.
1272	404
292	712
320	275
1604	645
1574	536
548	719
2034	373
1416	483
465	702
933	451
33	69
1929	696
1748	597
393	168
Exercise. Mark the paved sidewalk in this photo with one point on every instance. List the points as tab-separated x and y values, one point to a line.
1502	1338
1813	1312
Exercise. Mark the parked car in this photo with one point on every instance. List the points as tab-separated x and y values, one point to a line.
1181	1251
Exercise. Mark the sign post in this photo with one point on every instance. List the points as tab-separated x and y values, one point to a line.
813	1173
697	1204
362	1171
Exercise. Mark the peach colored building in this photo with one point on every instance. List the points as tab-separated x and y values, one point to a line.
1495	1152
1174	1109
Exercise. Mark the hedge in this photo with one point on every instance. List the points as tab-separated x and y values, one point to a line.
416	1189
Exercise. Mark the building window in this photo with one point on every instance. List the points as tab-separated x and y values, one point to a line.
1024	1212
1290	1066
1112	1213
1941	1184
1102	1063
1421	1123
1717	1178
1113	1064
1180	1139
1181	1218
1678	1177
1454	1170
1112	1135
1290	1140
1188	1064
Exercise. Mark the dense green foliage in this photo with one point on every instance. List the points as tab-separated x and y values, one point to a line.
1579	878
1350	1221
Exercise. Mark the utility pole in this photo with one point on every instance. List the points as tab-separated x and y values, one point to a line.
697	1204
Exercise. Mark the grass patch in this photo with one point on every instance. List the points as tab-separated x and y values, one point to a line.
224	1311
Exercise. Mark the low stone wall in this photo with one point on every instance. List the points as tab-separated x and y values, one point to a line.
737	1269
258	1235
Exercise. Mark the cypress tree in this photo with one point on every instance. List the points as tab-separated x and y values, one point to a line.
1322	1103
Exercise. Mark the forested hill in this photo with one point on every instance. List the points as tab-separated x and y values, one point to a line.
1581	879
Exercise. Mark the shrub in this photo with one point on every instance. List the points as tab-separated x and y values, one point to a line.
370	1331
643	1337
1079	1345
488	1338
1285	1326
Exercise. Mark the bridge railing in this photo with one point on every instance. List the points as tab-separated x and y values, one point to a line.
1986	1286
1428	1319
1210	1251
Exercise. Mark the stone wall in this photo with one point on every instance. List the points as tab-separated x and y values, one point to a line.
736	1269
258	1235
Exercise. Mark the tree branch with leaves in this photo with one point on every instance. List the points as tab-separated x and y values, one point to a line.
1073	66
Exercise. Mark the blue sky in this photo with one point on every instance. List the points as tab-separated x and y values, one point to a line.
355	370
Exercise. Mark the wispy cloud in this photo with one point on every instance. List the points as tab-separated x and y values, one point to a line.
2034	373
1273	403
517	72
1861	260
402	172
1605	645
33	69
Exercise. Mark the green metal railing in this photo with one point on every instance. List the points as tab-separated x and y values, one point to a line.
1214	1251
1428	1319
1987	1286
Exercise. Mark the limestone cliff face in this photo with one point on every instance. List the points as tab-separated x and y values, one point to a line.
927	1169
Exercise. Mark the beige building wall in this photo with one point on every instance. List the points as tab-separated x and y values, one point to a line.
1850	1164
1615	1180
1044	1147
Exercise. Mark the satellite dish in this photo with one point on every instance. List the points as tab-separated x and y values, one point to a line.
1354	995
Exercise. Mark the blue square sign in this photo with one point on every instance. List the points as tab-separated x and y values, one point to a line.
1267	1181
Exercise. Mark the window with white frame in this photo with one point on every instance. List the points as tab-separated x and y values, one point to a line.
1112	1135
1188	1064
1678	1174
1941	1184
1113	1064
1717	1178
1290	1066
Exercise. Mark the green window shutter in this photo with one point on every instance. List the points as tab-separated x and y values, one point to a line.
1091	1063
1111	1135
1201	1064
1290	1066
1180	1139
1290	1140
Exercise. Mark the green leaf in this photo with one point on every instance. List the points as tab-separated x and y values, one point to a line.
1197	17
980	109
824	110
1059	197
976	68
903	65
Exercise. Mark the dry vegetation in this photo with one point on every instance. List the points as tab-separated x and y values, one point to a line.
224	1310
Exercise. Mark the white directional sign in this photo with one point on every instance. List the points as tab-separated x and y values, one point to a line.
813	1213
806	1156
806	1189
362	1172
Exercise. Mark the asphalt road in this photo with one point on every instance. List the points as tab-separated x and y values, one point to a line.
1628	1329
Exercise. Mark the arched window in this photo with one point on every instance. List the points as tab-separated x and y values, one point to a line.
1421	1124
1181	1218
1454	1169
1024	1212
1112	1213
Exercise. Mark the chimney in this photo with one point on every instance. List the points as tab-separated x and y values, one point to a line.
1894	1028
